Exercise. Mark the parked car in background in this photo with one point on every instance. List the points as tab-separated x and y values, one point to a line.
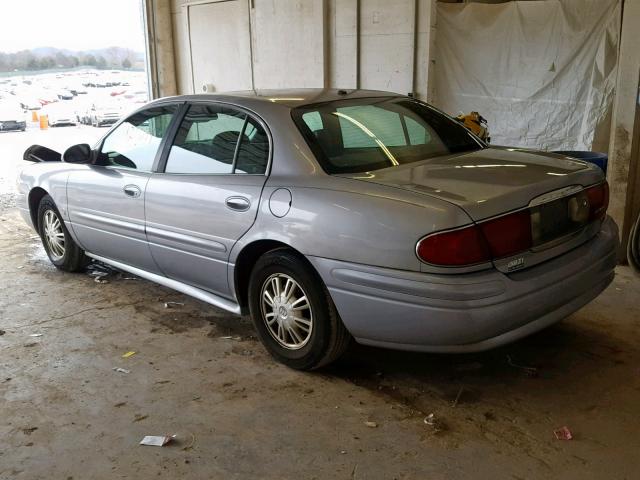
65	95
12	118
104	115
60	117
330	215
47	99
30	104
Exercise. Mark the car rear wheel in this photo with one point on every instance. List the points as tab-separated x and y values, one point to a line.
63	252
293	313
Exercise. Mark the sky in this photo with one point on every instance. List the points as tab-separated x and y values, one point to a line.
71	24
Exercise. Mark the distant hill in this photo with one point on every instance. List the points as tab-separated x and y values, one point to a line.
44	58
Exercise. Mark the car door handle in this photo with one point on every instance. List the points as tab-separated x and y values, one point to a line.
132	191
241	204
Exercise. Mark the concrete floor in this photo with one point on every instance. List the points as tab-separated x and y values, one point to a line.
65	413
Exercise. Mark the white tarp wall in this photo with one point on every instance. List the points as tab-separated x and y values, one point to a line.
542	72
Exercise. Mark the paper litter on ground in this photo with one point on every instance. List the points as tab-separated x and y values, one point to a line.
156	441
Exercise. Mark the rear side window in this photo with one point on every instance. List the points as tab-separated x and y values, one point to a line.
367	134
253	152
134	143
215	139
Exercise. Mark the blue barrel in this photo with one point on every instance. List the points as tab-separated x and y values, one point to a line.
599	159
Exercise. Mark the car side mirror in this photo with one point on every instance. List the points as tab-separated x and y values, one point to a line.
80	153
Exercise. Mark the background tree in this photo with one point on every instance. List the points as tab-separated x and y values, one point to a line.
48	58
90	60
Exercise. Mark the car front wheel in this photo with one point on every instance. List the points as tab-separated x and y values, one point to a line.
293	313
63	252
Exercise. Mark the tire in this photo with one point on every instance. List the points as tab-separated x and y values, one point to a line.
67	255
301	338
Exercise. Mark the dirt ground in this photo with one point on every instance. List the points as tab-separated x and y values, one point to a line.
199	373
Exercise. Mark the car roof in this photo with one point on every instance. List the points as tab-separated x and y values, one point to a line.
289	98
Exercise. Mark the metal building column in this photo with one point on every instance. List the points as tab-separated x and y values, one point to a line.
161	68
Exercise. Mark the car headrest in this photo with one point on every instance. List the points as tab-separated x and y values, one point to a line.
224	145
329	142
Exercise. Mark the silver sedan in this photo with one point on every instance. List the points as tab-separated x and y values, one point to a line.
330	215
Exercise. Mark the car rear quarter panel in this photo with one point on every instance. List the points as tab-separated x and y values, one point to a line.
339	219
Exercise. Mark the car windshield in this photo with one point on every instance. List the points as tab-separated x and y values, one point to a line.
365	134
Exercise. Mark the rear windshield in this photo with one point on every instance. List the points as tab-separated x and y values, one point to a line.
365	134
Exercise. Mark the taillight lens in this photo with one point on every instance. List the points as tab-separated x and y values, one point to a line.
479	243
509	234
465	246
598	200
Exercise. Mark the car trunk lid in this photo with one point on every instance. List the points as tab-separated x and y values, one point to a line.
491	182
487	182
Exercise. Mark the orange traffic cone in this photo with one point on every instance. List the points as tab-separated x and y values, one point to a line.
44	122
34	116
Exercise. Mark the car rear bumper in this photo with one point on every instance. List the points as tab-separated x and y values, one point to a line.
467	312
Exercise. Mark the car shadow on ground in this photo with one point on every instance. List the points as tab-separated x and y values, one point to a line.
564	356
567	356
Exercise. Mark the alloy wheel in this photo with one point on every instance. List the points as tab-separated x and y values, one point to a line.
53	235
286	311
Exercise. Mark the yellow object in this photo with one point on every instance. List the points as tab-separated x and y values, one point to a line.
128	354
476	123
44	122
34	116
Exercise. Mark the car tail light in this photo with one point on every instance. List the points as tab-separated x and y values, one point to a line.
598	200
465	246
479	243
496	238
509	234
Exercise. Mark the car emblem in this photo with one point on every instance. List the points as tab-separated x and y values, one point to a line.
515	264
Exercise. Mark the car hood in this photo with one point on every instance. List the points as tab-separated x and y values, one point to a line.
487	182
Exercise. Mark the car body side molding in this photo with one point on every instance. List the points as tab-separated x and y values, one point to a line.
198	293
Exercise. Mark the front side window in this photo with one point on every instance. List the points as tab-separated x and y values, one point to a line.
366	134
213	139
134	143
